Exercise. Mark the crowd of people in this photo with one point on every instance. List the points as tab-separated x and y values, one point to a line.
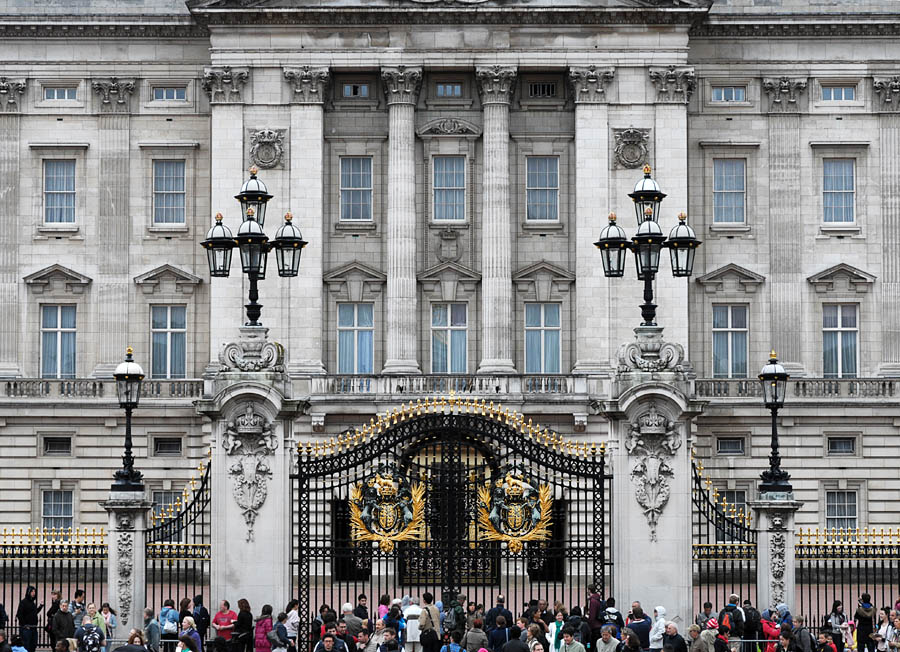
409	624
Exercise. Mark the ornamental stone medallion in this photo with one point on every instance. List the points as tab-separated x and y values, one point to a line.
250	439
652	442
267	148
631	147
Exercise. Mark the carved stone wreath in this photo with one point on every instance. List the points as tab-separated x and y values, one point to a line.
631	150
267	148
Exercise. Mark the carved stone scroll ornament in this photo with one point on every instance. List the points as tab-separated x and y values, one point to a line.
309	84
401	84
650	353
888	91
495	84
589	84
632	147
125	552
267	148
784	94
10	92
673	84
252	352
651	442
449	127
250	439
777	561
225	84
115	94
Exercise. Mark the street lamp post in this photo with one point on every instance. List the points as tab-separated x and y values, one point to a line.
129	376
773	379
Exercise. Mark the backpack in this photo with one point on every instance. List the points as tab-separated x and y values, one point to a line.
274	641
752	622
91	640
725	620
450	620
201	618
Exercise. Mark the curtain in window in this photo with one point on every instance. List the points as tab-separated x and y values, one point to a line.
551	352
365	352
458	349
848	355
59	191
345	352
739	354
160	354
439	351
49	363
720	355
830	353
67	355
533	352
178	362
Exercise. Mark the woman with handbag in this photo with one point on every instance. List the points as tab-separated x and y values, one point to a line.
242	640
168	624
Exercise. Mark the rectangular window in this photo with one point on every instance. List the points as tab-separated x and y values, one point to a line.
542	338
736	498
56	509
730	341
729	190
356	90
542	187
838	93
842	445
448	338
730	445
168	332
58	446
167	446
57	341
356	188
729	93
450	188
164	506
840	510
840	333
356	338
169	93
59	191
60	93
448	89
544	89
168	192
839	189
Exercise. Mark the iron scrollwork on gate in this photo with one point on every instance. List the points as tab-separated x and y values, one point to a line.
514	510
387	509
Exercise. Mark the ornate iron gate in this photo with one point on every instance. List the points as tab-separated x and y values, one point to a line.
451	496
724	547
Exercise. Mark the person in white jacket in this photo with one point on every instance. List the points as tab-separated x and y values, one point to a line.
658	629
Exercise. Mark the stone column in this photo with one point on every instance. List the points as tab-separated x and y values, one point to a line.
10	107
127	512
593	354
225	88
495	86
775	557
308	87
401	91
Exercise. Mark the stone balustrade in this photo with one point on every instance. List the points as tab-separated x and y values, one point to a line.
802	388
81	388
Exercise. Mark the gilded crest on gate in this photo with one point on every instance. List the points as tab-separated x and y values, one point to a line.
386	508
514	510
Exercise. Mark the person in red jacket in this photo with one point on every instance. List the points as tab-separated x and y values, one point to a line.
771	630
263	626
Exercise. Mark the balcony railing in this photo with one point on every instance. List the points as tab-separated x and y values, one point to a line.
459	384
832	388
97	388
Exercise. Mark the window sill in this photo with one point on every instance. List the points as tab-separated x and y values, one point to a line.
539	226
840	231
355	227
457	225
70	231
168	229
729	230
356	105
459	103
556	104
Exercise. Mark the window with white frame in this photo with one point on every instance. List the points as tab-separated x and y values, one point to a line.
736	498
542	187
170	93
729	190
356	338
840	340
841	510
838	92
449	324
168	335
448	89
839	189
729	93
59	191
168	192
57	93
449	187
352	91
542	338
356	188
730	341
57	510
57	341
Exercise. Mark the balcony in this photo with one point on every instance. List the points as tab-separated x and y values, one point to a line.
443	385
95	388
802	388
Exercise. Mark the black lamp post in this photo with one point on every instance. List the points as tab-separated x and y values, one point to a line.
647	243
129	376
773	379
253	243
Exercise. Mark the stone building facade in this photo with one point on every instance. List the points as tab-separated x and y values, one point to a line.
451	163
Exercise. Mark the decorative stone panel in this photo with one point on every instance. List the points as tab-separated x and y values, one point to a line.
308	85
631	148
267	147
784	94
11	91
115	94
589	84
887	92
674	85
225	84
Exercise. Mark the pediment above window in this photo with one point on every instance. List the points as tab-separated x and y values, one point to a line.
57	279
544	279
731	278
842	278
167	279
447	279
355	281
449	127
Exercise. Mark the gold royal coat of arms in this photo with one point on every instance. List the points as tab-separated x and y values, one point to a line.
387	509
513	510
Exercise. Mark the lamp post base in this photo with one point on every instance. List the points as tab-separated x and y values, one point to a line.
650	353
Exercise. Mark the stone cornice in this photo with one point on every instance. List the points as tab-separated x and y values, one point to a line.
81	26
788	26
401	84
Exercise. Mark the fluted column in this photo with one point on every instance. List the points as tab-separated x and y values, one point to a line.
401	89
495	86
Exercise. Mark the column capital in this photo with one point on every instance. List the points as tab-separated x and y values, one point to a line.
225	84
784	94
11	90
888	91
402	84
496	84
674	84
308	84
589	83
115	94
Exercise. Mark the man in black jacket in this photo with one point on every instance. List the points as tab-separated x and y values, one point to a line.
490	618
516	644
27	615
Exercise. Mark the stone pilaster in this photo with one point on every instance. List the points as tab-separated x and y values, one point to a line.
887	101
11	92
592	351
127	523
307	151
495	86
401	90
775	556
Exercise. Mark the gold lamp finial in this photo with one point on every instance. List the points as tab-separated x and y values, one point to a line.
129	350
682	216
219	217
250	212
612	217
647	169
253	170
648	211
288	216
